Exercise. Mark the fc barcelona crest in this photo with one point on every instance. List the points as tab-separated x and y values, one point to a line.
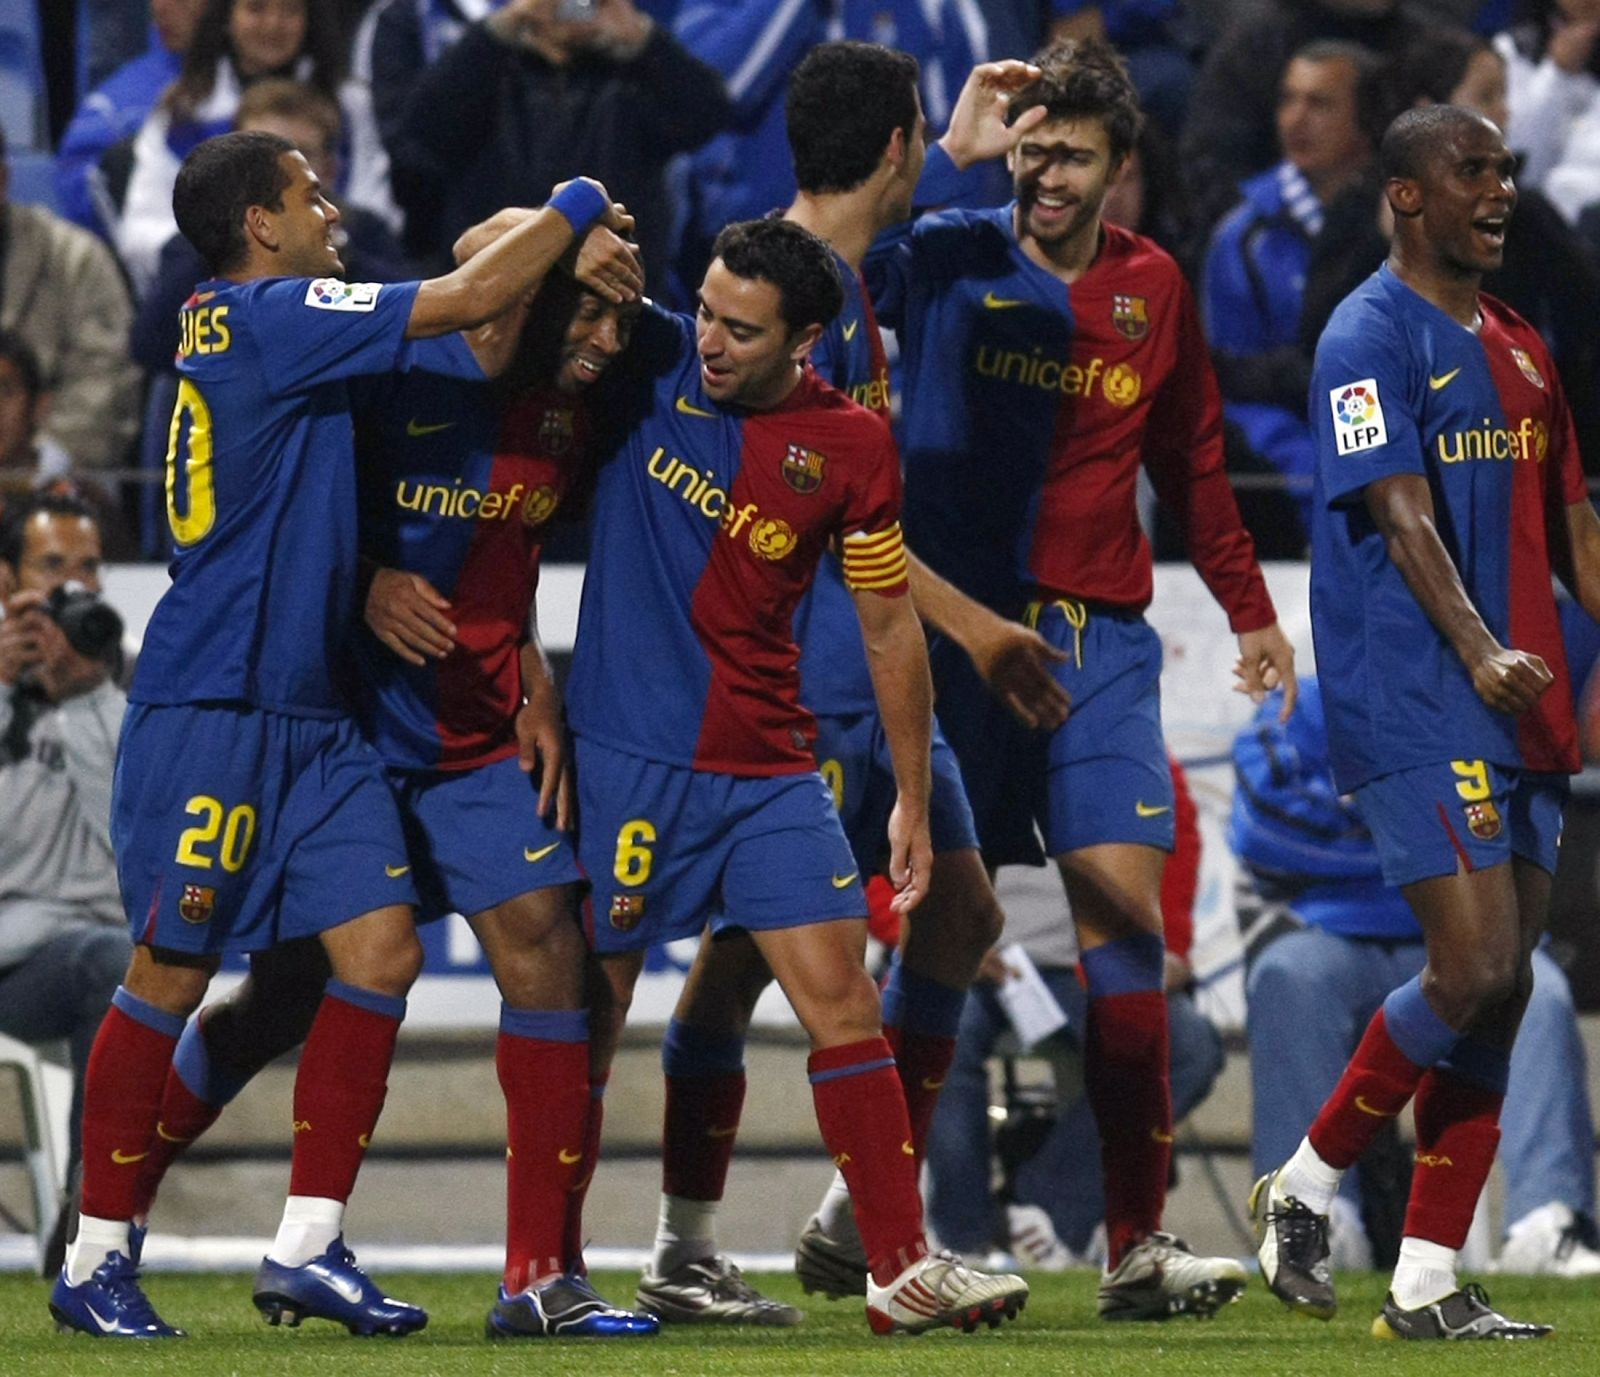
1528	368
802	468
556	431
626	911
196	902
1131	316
1483	820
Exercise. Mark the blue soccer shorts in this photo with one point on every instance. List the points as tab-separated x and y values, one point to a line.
475	838
853	758
1461	814
1101	777
237	828
667	849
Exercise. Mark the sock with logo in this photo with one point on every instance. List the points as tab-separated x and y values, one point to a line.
340	1088
121	1102
1404	1038
572	1230
1126	1078
861	1111
705	1082
197	1090
1457	1113
920	1018
543	1061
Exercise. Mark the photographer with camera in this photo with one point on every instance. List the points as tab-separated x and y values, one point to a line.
63	939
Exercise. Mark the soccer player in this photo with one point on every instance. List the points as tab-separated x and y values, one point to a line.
459	481
856	133
1046	355
733	468
1448	488
246	809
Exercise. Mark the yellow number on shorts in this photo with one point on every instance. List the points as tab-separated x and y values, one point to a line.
1474	777
832	773
200	503
236	836
632	866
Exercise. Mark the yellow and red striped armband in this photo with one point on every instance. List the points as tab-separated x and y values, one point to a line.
875	561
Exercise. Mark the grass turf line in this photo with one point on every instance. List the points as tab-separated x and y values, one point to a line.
1058	1333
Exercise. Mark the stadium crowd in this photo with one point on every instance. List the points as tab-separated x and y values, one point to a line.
717	152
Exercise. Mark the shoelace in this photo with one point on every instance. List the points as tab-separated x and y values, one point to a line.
1307	1231
121	1278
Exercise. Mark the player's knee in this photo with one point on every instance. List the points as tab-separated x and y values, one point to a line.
391	971
1470	984
983	928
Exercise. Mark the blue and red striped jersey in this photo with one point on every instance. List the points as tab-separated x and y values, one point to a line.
459	482
708	524
1400	387
1029	406
261	487
834	678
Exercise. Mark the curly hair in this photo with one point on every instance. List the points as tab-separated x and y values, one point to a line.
1084	78
845	101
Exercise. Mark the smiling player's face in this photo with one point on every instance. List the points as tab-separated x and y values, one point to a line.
304	226
748	354
598	332
1060	173
1466	196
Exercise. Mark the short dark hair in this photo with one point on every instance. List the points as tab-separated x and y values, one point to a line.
1375	89
796	262
15	525
221	179
1414	136
19	354
1084	78
845	101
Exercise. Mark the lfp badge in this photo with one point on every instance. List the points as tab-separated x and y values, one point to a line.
1357	417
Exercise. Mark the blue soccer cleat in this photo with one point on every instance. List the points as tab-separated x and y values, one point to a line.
566	1308
109	1305
332	1287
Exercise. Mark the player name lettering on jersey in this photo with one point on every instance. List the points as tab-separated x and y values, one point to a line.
535	505
1120	384
203	331
770	538
1530	440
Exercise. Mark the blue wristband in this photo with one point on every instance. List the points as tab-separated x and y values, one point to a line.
580	203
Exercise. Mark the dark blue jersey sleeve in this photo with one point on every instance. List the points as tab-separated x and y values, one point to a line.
1362	404
311	331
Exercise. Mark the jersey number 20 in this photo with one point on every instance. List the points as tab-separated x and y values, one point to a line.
199	512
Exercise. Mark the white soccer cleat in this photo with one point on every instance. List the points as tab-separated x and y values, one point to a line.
940	1289
1159	1277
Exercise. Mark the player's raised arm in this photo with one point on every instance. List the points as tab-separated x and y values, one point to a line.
982	125
897	656
1402	506
494	279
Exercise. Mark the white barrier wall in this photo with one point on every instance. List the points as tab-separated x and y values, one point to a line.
1201	713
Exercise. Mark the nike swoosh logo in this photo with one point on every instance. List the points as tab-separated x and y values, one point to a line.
1365	1108
843	881
540	854
415	429
394	872
722	1132
1002	303
850	330
567	1156
1150	810
908	1149
106	1326
161	1133
1443	380
686	408
365	1140
127	1159
1158	1136
344	1286
930	1083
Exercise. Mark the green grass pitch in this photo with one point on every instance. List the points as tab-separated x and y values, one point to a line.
1058	1333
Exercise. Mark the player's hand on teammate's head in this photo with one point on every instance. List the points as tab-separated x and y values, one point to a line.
1510	680
410	616
978	127
1015	662
1266	662
609	265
